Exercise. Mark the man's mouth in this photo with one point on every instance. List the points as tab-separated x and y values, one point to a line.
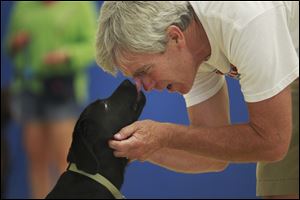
169	86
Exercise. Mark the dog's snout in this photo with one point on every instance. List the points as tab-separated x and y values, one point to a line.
137	101
139	96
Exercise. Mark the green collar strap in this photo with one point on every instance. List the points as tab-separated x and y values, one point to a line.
100	179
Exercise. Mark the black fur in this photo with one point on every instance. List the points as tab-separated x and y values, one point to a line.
90	151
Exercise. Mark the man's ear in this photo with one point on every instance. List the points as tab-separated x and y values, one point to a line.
176	35
82	154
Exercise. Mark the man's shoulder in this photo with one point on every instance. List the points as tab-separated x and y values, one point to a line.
237	12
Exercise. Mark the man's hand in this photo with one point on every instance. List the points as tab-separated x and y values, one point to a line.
140	139
55	58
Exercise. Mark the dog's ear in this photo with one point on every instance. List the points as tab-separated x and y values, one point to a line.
83	155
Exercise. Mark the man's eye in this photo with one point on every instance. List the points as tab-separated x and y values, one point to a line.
143	73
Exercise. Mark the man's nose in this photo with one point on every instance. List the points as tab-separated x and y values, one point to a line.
148	84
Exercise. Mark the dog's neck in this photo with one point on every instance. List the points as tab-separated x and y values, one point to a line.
114	169
98	159
100	179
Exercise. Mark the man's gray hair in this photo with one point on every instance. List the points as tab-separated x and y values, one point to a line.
136	27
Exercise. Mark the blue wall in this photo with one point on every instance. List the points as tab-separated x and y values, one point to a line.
142	180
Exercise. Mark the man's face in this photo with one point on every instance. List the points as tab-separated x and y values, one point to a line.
175	69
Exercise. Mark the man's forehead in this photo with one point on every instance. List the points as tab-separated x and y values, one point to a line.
127	62
131	64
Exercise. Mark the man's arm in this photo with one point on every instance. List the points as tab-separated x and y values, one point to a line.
212	112
185	162
265	138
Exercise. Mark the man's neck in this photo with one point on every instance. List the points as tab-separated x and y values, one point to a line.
197	41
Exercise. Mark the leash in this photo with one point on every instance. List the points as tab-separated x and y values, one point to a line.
100	179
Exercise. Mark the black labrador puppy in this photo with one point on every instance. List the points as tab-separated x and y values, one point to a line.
90	155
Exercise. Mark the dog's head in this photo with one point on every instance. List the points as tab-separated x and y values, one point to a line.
98	123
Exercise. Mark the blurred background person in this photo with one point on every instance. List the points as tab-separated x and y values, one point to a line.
51	45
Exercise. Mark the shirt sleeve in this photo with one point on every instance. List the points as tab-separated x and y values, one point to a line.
206	85
264	53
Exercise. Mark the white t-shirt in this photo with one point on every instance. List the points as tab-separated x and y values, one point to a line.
252	41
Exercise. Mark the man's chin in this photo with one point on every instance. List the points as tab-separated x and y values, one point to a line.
183	91
178	91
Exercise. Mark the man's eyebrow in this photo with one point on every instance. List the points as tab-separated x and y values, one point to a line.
142	70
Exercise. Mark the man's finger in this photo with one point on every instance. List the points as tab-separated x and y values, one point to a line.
126	132
119	154
123	145
115	144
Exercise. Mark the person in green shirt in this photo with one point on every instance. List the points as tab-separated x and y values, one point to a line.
51	45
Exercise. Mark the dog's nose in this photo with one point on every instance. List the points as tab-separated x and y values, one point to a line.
138	84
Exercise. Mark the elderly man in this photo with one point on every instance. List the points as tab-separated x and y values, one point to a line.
188	47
